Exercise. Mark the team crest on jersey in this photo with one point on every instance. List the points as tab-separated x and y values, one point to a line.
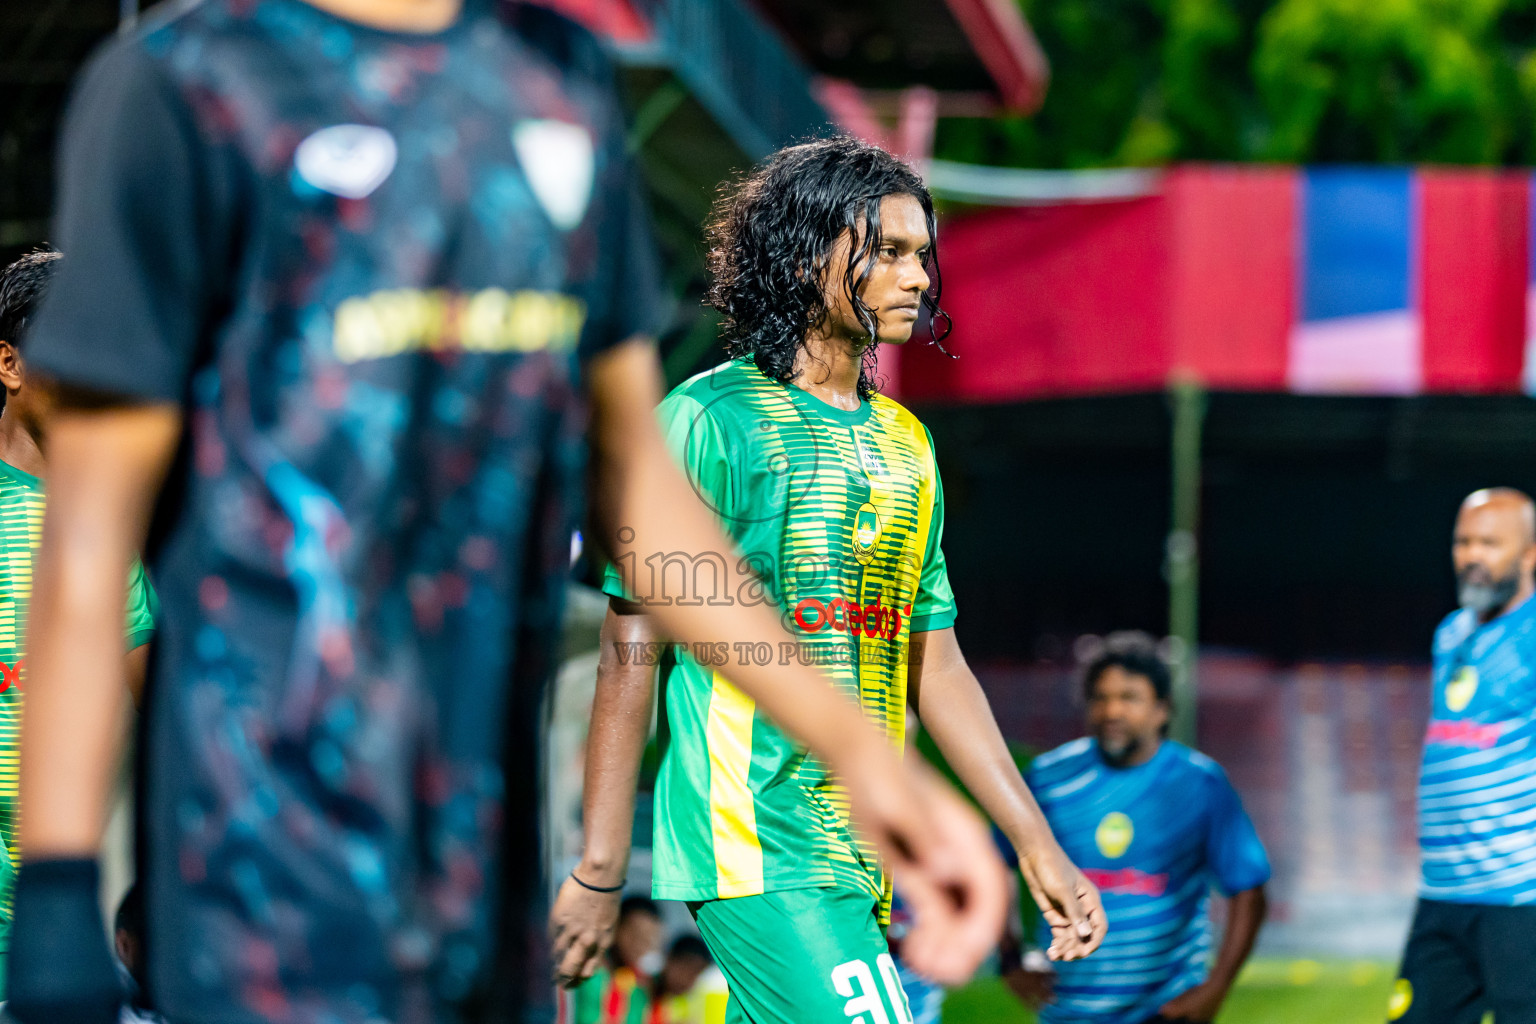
1460	690
559	162
1400	1000
347	160
866	533
1114	834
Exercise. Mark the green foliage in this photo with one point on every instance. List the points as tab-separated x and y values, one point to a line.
1387	80
1145	82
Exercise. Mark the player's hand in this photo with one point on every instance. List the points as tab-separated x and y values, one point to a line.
1033	988
940	855
1069	902
581	928
1200	1004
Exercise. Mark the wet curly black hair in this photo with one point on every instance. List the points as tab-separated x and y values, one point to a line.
770	238
21	291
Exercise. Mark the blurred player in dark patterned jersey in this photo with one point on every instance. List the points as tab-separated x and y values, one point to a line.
342	278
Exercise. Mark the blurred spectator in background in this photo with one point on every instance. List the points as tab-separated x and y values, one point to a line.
690	989
619	993
924	998
128	944
1469	950
1153	824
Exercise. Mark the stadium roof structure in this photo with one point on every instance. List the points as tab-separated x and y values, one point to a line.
977	54
715	85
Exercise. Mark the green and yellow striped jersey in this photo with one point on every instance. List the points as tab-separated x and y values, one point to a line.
21	524
840	514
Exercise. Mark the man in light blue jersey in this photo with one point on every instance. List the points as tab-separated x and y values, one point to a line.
1154	825
1470	949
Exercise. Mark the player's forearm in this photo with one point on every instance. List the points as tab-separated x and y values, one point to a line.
621	725
667	516
1245	915
650	507
954	710
75	687
105	468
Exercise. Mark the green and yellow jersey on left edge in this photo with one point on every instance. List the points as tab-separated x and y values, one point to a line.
21	524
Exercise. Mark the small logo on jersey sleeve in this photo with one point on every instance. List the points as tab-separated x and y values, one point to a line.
866	533
347	160
1400	1000
558	160
1114	834
1461	689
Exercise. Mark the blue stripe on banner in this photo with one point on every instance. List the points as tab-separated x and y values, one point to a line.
1530	214
1356	234
1530	296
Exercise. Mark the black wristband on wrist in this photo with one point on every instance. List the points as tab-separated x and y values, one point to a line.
598	888
61	971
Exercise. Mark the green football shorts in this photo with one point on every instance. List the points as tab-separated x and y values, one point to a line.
803	956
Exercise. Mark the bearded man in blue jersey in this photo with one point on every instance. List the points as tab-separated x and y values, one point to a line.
1154	825
1469	950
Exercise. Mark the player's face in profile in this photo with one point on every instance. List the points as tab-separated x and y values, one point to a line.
1490	549
1124	714
897	278
30	398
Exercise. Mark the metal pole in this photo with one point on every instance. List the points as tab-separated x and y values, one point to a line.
1182	568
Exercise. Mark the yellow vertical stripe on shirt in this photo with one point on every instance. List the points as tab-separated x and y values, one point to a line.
732	813
924	500
21	524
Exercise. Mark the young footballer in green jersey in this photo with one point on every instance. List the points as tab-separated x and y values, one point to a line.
22	470
832	493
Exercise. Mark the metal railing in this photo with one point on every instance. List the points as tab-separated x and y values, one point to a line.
739	70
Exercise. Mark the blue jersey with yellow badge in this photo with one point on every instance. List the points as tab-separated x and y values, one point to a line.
1154	838
1477	787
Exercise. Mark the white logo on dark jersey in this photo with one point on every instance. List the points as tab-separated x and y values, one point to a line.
557	160
347	160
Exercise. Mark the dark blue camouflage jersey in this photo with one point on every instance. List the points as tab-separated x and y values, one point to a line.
369	267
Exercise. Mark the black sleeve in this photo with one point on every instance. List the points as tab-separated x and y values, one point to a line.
144	228
631	301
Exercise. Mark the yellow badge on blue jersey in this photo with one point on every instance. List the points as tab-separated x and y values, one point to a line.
1114	834
1401	999
1460	690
